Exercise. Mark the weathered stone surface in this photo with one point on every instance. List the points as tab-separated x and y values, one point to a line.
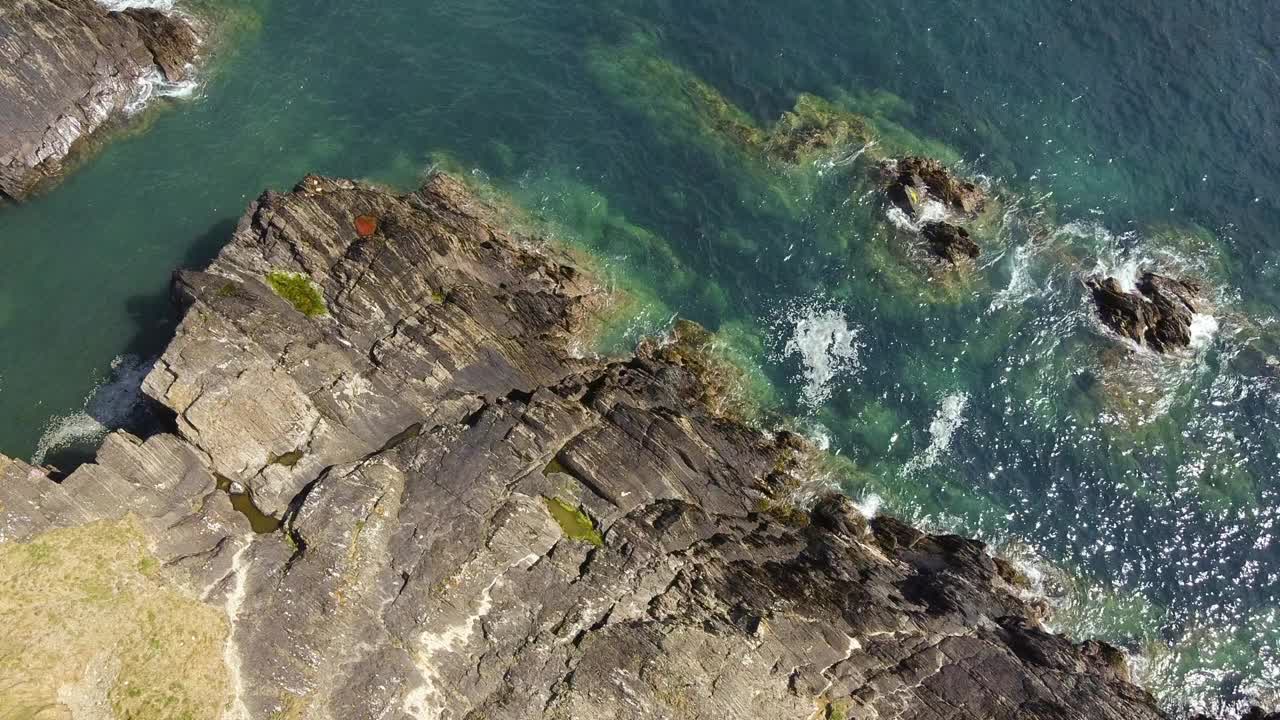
66	68
1157	314
949	242
418	436
912	180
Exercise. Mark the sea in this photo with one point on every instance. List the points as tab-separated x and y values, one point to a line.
1138	492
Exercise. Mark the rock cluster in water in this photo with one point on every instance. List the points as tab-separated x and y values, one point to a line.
466	518
66	68
914	181
915	178
1156	314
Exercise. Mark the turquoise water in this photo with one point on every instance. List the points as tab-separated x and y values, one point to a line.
1113	133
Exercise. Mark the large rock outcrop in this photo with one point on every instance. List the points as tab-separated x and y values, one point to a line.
1156	314
914	180
66	68
477	521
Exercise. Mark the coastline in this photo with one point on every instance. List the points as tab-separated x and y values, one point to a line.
826	351
433	277
76	70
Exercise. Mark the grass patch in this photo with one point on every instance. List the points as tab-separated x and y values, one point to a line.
299	291
93	598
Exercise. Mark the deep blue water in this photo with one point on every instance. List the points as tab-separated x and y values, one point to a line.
1116	134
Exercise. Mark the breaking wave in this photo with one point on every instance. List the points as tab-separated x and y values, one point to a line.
154	85
820	336
110	406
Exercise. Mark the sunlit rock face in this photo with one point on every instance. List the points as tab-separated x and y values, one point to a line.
1157	313
69	67
472	520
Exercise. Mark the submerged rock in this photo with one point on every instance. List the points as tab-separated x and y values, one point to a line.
1157	314
815	126
478	522
69	66
949	242
913	180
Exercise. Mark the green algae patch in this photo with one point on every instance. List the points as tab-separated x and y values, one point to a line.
682	103
783	511
575	523
91	621
299	291
727	385
813	128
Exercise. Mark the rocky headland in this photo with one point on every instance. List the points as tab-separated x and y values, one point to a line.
67	67
394	487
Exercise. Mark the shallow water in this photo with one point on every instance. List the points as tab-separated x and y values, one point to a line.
1116	136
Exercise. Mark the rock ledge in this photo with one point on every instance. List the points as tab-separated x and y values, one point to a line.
66	68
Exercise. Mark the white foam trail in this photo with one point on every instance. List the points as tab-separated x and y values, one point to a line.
116	5
946	421
827	346
154	85
108	406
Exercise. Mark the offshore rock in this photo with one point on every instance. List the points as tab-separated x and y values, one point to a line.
949	242
913	180
66	68
1157	314
479	522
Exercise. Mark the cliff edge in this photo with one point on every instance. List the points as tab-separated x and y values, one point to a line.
394	489
69	66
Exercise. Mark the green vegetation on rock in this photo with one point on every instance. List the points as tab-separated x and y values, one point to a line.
575	523
299	291
91	622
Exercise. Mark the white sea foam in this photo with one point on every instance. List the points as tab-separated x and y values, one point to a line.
162	5
942	429
1203	328
1022	286
869	506
109	406
930	211
826	344
153	85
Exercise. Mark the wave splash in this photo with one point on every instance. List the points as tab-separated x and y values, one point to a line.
110	406
153	85
826	344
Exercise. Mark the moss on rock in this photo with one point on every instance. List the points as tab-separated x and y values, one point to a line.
575	523
299	291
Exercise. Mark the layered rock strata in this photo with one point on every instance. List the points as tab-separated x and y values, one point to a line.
69	66
478	521
1157	313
